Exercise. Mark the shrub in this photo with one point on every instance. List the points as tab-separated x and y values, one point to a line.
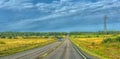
97	35
107	40
1	42
2	37
88	36
117	39
93	43
110	40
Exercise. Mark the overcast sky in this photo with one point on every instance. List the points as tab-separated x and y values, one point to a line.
58	15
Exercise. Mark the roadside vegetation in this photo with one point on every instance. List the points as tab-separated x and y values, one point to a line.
93	43
8	46
98	45
14	42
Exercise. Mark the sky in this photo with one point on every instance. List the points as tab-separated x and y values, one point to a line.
59	15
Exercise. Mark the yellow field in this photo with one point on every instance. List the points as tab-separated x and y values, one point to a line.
10	46
95	47
95	40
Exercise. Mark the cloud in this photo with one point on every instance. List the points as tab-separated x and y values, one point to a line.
63	14
65	0
15	4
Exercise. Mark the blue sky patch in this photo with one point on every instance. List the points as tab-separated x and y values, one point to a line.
58	15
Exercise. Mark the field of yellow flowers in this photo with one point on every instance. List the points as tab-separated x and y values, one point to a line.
11	46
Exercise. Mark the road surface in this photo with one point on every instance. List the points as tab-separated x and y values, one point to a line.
31	54
63	50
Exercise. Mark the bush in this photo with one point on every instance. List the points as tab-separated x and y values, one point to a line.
93	43
2	37
88	36
117	39
107	40
1	42
110	40
97	35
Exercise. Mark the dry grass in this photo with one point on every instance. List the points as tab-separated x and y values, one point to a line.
94	47
11	46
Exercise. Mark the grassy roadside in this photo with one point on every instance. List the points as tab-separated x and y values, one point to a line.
12	46
93	46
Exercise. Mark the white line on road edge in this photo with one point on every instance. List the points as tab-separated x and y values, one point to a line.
80	53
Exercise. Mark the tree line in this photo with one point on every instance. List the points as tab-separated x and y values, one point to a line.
15	35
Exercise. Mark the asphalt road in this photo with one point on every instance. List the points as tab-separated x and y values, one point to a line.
31	54
62	50
65	51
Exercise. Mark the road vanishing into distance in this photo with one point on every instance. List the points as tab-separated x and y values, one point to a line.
57	50
65	51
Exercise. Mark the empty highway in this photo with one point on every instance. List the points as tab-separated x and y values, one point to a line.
65	51
57	50
31	54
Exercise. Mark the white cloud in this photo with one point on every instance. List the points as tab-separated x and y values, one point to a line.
27	5
16	4
56	5
62	10
77	8
65	0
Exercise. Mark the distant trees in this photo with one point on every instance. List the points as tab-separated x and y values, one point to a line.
15	35
95	33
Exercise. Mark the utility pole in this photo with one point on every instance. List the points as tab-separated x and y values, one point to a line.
105	25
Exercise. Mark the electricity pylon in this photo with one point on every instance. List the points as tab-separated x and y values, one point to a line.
105	25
